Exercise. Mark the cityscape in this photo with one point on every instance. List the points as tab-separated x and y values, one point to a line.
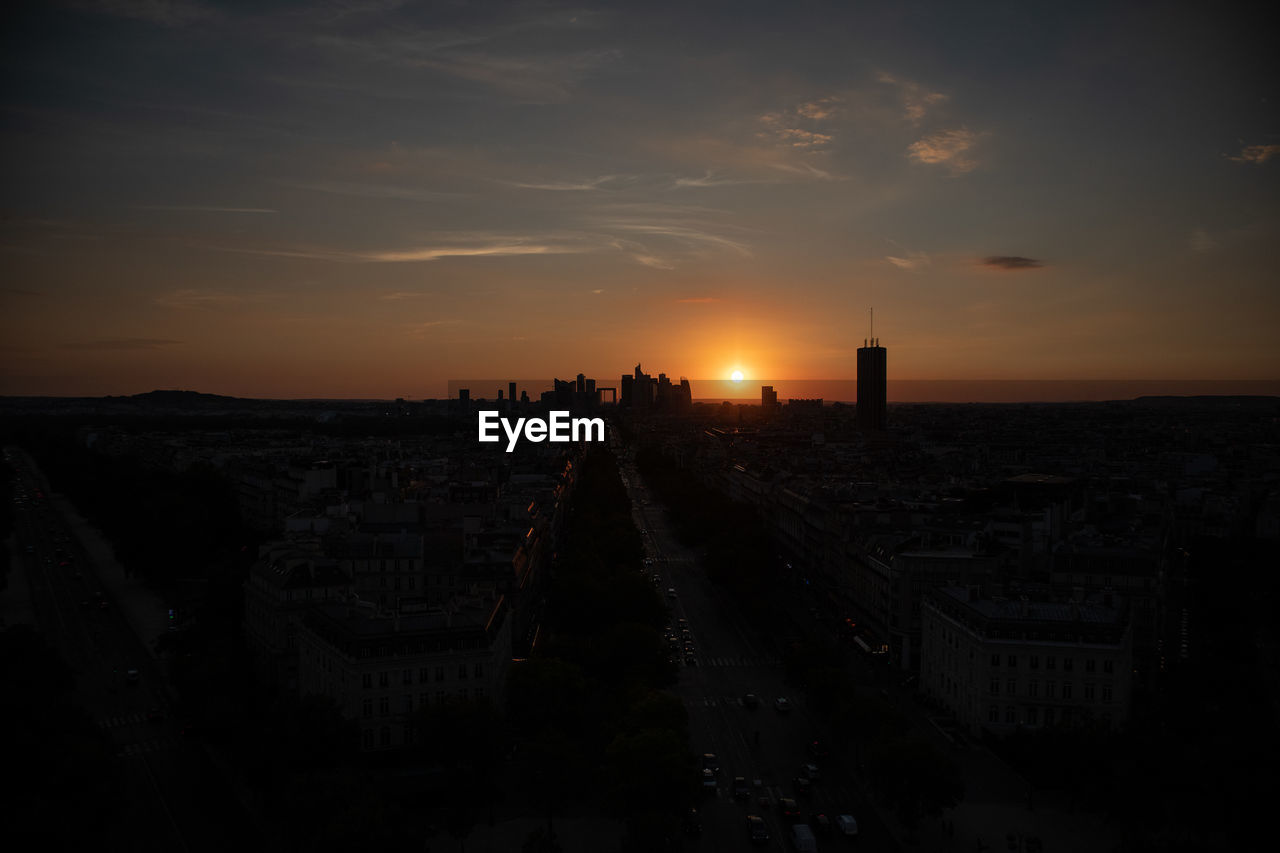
639	428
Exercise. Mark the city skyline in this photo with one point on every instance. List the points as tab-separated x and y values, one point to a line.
365	200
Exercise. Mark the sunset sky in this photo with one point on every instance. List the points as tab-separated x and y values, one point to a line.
365	199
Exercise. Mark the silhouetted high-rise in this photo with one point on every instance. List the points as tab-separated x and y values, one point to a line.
872	385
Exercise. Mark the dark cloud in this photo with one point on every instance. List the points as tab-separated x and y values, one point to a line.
123	344
1010	262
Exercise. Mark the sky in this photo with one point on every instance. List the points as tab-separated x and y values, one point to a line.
366	199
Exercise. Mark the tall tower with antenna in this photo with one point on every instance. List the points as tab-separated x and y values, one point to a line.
872	382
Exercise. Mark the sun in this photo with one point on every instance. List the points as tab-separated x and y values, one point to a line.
736	376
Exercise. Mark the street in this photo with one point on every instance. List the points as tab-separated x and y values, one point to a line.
761	743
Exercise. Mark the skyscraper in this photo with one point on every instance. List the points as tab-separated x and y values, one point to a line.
872	385
768	398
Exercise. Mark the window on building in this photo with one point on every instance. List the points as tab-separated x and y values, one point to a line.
1106	693
406	703
368	707
440	695
423	674
1033	688
384	706
407	676
1049	689
384	679
1108	666
462	693
439	673
384	736
366	739
995	687
1089	664
479	692
1034	661
1032	714
462	671
1050	662
1048	716
366	681
993	715
1066	664
1066	690
479	670
1011	715
995	660
1011	687
1088	693
1013	660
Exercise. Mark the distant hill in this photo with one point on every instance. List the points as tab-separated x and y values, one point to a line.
181	398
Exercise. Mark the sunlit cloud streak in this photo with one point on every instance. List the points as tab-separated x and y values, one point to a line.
946	147
1256	154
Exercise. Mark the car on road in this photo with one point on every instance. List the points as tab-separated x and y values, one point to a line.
671	592
782	705
692	822
809	771
132	676
820	823
741	790
790	809
802	839
750	700
802	786
710	762
757	829
818	749
708	778
847	825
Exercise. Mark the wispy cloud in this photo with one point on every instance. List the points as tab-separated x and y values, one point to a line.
123	344
698	300
799	127
1256	154
916	99
710	179
946	147
685	234
1010	263
497	247
912	262
573	186
434	253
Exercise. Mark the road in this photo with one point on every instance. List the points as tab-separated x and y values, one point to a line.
172	802
761	743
